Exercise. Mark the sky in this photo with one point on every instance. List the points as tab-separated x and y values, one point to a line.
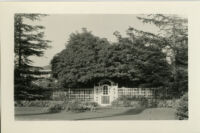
60	26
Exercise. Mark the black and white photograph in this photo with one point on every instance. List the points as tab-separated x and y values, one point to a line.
100	67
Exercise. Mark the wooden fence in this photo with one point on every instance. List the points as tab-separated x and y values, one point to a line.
136	92
84	94
87	94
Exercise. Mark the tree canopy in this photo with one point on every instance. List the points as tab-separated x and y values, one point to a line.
88	59
79	64
174	30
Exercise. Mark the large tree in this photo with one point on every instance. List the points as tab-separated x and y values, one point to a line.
29	41
142	62
88	59
174	30
79	64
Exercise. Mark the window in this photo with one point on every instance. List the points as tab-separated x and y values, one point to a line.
105	90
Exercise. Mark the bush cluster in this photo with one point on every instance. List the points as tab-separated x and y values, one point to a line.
36	103
126	101
80	106
167	103
56	108
182	108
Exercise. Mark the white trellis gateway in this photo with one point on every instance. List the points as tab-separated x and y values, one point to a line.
104	93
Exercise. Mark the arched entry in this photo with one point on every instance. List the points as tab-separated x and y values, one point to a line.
105	92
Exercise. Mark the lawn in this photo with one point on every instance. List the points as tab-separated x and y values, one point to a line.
35	113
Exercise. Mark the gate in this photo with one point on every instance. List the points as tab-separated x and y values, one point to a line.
105	99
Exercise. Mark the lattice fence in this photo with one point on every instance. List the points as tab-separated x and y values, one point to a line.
136	92
86	94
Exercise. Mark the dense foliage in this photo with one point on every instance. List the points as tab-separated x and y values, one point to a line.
182	108
174	30
32	92
33	103
80	106
136	102
29	41
88	59
80	63
140	59
55	108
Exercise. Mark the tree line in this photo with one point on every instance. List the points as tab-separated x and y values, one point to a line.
139	59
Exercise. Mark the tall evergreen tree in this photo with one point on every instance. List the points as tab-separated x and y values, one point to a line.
29	41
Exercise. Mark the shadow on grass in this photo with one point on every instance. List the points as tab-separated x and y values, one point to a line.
129	112
102	110
133	111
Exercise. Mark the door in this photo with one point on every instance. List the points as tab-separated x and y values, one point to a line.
105	98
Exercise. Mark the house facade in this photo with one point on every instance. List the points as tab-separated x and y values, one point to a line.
104	93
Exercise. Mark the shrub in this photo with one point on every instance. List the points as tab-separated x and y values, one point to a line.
143	102
165	103
23	103
80	106
36	103
182	108
126	101
175	103
161	103
117	103
91	104
56	108
75	106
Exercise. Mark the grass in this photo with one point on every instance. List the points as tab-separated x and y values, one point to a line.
35	113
